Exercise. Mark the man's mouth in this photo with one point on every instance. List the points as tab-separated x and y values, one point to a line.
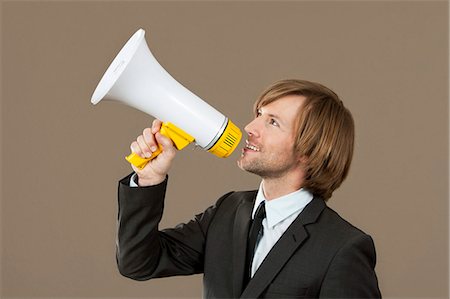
250	146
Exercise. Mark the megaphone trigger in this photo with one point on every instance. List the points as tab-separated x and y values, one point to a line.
180	139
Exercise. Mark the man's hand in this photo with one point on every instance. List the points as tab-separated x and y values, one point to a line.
156	170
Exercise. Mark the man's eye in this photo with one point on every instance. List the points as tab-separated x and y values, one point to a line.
258	113
273	122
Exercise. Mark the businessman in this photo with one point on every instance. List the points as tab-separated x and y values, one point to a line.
279	241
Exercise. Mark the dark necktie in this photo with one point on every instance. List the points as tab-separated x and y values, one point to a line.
256	230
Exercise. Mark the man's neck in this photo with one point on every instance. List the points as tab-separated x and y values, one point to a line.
277	187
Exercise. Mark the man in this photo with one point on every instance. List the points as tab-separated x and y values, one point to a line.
281	241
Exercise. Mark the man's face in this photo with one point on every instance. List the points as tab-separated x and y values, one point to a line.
269	150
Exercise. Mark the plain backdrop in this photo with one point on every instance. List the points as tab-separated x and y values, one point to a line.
62	156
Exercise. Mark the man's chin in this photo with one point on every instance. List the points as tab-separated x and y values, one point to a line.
246	167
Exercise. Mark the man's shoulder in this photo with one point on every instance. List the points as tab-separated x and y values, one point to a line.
235	199
340	226
238	197
245	195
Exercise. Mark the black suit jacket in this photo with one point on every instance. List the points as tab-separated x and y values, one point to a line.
320	254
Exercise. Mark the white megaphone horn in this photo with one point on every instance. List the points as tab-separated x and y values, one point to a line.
135	78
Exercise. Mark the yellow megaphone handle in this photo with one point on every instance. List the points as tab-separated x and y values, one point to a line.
179	138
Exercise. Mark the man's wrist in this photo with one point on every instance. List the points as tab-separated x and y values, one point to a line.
150	181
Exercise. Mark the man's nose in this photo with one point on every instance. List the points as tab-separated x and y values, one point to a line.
252	128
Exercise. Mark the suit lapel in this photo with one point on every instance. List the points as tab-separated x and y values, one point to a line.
282	251
240	236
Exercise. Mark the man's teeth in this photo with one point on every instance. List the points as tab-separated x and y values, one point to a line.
252	147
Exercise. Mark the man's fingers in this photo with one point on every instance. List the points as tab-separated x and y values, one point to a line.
146	143
155	171
156	126
145	148
149	139
135	148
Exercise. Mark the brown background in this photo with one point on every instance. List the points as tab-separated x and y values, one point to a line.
62	157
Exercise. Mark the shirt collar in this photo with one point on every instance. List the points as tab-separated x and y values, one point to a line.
278	209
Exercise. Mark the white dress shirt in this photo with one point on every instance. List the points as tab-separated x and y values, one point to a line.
280	213
133	180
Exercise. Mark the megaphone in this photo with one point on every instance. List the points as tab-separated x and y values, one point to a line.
136	79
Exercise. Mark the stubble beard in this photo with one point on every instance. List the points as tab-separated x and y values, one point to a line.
269	167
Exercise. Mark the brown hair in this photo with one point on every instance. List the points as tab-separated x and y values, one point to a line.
324	133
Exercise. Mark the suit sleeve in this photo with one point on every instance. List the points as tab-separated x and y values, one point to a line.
351	274
144	252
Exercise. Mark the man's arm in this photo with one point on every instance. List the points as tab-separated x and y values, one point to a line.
144	252
137	245
351	273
